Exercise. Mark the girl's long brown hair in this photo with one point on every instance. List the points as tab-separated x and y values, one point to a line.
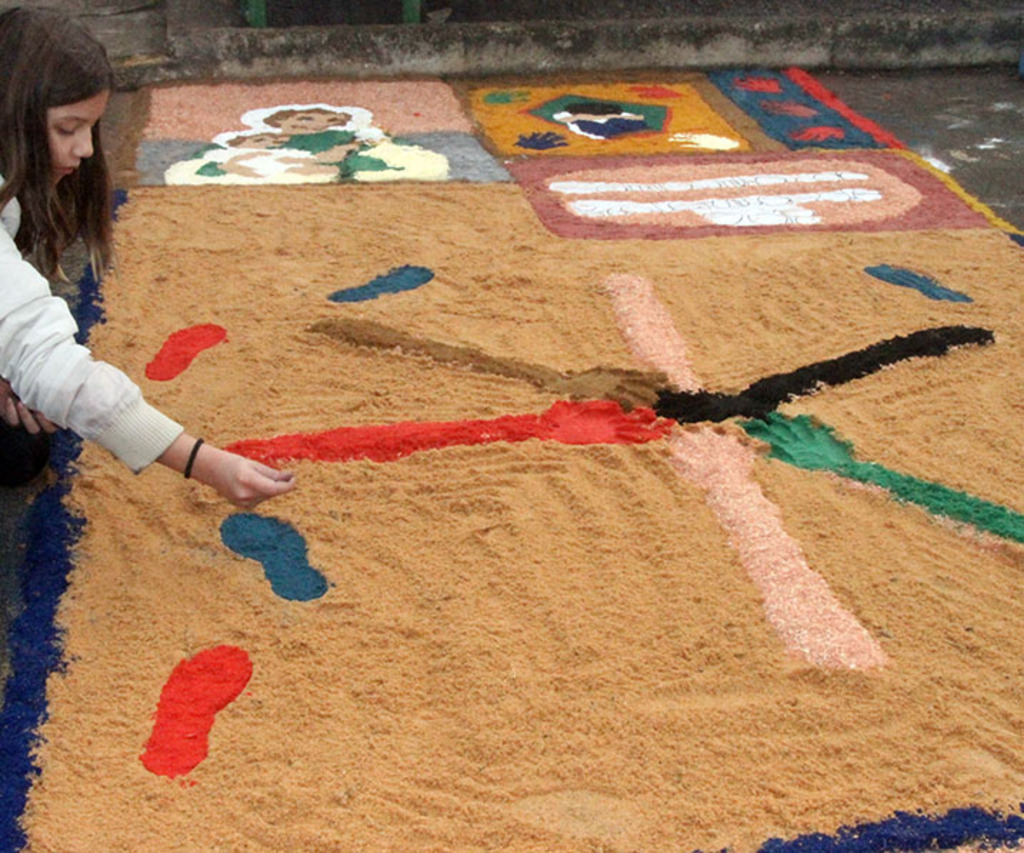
50	60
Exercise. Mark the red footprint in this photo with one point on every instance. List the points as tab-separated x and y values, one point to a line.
181	347
196	690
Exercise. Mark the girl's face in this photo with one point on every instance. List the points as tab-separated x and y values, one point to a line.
69	131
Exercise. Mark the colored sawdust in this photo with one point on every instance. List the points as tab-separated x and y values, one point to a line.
197	689
627	387
532	645
593	422
281	551
792	107
797	601
200	111
659	198
587	119
181	348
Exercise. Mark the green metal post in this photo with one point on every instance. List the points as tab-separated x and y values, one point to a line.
255	12
411	11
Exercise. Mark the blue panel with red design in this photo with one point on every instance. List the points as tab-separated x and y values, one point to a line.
792	109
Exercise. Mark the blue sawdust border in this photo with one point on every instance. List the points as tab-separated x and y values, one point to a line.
49	532
907	831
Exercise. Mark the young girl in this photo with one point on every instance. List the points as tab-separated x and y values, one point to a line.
55	80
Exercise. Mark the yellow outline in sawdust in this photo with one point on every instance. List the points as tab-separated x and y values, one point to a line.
951	184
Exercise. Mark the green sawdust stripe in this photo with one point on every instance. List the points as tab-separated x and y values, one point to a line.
801	442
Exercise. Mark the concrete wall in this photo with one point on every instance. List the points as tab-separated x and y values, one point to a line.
154	41
127	27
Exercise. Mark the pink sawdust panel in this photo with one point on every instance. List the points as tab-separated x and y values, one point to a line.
202	111
674	197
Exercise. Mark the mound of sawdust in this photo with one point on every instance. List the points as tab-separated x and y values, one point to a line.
533	646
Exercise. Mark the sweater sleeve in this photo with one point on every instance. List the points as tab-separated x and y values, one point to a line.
54	375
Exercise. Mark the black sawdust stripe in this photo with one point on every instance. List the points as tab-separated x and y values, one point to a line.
765	395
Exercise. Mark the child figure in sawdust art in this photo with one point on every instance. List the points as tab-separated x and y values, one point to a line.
56	188
252	157
312	143
346	138
328	133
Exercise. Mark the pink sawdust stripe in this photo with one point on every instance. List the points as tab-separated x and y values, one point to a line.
814	88
798	603
649	329
591	422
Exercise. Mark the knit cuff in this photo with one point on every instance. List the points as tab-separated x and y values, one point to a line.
139	435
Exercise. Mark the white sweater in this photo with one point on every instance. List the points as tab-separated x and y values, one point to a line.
53	375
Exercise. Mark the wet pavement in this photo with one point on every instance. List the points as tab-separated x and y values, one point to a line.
968	122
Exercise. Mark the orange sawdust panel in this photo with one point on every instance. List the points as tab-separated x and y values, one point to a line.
588	118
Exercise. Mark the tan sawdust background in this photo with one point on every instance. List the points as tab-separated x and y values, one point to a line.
533	646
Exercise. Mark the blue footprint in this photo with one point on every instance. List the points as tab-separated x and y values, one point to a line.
282	551
394	281
907	278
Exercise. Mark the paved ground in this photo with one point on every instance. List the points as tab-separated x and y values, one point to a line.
968	121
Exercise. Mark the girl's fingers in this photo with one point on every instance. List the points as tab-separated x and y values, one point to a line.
33	421
244	482
28	419
271	487
46	424
15	413
10	412
273	473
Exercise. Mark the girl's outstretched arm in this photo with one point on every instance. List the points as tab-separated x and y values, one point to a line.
242	481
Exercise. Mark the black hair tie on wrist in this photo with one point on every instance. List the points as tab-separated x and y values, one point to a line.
192	458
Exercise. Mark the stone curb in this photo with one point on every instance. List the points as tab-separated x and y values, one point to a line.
863	42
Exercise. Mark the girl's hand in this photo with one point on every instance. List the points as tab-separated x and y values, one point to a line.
242	481
15	413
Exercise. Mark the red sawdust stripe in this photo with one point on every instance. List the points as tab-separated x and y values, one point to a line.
181	348
813	88
196	690
591	422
